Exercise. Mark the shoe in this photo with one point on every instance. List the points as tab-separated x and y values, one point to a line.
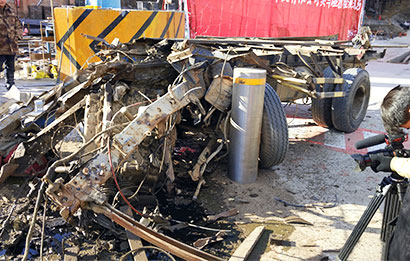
9	86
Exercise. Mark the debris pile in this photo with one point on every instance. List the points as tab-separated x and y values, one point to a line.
149	114
391	20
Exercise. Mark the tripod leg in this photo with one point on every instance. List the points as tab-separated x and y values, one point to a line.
391	209
363	222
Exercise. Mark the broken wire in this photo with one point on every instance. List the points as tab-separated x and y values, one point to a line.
42	229
139	187
145	96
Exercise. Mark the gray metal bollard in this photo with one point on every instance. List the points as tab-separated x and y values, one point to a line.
246	119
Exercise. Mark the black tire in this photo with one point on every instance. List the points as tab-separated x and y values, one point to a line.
322	108
349	111
274	132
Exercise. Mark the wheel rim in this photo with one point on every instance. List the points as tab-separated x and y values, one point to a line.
358	102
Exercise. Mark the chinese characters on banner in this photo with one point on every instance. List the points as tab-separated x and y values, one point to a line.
274	18
340	4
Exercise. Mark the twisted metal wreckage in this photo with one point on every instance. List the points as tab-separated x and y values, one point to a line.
145	104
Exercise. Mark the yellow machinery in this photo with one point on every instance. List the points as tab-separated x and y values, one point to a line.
72	23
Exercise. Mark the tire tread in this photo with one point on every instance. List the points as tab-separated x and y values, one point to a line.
340	107
321	108
274	133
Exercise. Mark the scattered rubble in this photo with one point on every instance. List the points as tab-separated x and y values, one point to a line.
392	20
151	114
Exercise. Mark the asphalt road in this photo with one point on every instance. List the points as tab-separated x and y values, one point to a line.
318	169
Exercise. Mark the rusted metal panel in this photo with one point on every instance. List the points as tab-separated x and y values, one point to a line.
107	109
151	115
91	118
84	187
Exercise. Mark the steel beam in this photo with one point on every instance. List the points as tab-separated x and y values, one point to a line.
162	241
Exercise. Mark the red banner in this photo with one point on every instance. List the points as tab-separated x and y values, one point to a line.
274	18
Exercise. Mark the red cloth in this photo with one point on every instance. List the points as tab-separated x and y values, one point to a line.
274	18
37	168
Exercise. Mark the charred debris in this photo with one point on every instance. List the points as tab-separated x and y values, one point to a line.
149	113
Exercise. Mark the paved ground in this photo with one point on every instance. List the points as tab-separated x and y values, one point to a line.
322	170
318	170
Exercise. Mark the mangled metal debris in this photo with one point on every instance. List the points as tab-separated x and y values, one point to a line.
153	111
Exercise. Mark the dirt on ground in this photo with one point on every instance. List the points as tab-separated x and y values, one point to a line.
309	204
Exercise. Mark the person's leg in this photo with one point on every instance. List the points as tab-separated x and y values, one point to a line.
10	70
2	60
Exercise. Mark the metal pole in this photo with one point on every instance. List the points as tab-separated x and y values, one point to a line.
186	12
247	107
361	17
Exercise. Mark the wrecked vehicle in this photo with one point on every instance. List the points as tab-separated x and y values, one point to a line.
153	111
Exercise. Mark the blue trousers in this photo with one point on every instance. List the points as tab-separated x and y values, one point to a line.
8	60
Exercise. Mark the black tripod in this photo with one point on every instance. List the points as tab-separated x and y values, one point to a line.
393	188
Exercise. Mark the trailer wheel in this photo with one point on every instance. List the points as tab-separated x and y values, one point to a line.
321	108
349	111
274	132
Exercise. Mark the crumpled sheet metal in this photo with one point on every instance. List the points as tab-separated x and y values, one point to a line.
191	58
151	115
147	133
84	187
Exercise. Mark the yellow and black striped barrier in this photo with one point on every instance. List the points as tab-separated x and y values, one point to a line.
127	25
